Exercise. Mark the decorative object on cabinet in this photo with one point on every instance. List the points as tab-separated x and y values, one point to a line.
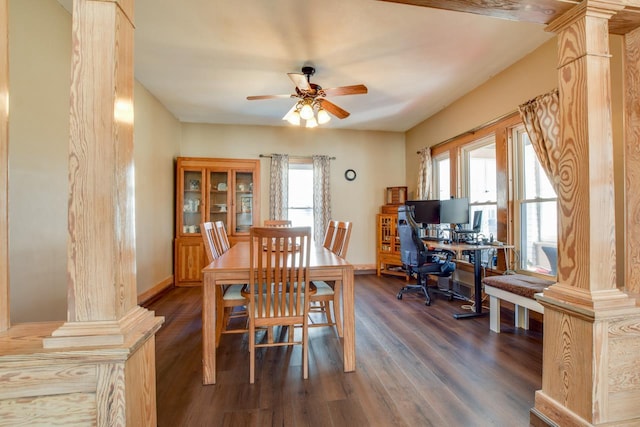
210	190
387	242
396	195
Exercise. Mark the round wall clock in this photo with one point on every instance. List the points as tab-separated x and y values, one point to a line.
350	174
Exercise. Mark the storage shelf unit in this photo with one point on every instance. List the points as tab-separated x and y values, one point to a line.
387	242
212	189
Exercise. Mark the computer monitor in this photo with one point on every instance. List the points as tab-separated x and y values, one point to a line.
454	211
425	211
477	221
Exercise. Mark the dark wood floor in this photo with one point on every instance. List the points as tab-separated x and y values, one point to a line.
416	366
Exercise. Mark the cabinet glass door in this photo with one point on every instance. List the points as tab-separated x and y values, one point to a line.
243	201
219	197
192	201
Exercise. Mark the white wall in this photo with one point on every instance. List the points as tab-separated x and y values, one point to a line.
377	157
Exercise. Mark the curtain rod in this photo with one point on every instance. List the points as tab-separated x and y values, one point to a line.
268	156
475	129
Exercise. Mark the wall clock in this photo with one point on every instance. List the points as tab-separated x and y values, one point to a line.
350	174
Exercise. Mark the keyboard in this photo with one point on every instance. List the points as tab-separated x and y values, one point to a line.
433	239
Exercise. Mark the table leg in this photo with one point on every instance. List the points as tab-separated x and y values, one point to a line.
477	285
349	319
209	329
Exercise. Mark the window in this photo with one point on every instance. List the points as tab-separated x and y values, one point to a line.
480	183
300	196
441	177
537	210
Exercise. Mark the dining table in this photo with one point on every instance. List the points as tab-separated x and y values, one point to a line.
233	267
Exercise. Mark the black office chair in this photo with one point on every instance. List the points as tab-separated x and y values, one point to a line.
418	261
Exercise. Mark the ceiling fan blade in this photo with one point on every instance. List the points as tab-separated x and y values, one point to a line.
346	90
253	98
333	108
300	80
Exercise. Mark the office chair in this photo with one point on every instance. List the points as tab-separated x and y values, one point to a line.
418	261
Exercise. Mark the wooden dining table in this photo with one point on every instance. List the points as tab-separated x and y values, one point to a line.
233	268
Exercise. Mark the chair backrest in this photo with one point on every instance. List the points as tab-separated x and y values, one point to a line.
341	237
413	252
279	260
329	234
223	238
207	230
277	223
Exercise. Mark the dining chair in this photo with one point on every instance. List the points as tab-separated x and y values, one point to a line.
231	294
330	234
277	223
221	233
329	292
279	289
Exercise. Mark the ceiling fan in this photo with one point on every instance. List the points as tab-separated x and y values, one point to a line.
312	105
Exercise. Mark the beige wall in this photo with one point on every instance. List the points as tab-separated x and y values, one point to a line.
39	73
156	139
532	76
40	62
377	157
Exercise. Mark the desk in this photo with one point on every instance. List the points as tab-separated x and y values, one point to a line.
233	267
457	248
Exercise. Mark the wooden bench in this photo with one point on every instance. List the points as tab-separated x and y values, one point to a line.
519	290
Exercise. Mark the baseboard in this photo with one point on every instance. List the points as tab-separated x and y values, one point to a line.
150	294
537	419
364	269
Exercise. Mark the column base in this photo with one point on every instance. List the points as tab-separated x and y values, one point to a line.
104	333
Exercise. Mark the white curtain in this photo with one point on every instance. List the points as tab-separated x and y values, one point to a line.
424	175
321	196
279	187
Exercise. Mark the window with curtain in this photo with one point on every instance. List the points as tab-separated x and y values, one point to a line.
441	177
480	182
536	212
300	209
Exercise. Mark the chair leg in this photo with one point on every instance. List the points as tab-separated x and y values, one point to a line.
252	353
305	349
327	311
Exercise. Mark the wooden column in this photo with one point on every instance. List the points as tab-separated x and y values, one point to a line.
4	166
632	162
590	375
101	265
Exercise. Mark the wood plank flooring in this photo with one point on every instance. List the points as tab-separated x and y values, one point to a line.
416	366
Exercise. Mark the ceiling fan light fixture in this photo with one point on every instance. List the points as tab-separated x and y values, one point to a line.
323	116
306	112
293	118
312	123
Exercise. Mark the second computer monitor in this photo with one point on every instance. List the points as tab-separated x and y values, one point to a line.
425	211
454	211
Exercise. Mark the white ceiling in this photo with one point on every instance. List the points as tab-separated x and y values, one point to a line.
202	58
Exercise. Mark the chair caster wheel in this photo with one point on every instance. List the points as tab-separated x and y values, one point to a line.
450	297
427	303
399	296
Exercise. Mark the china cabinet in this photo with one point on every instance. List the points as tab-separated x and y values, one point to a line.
212	189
